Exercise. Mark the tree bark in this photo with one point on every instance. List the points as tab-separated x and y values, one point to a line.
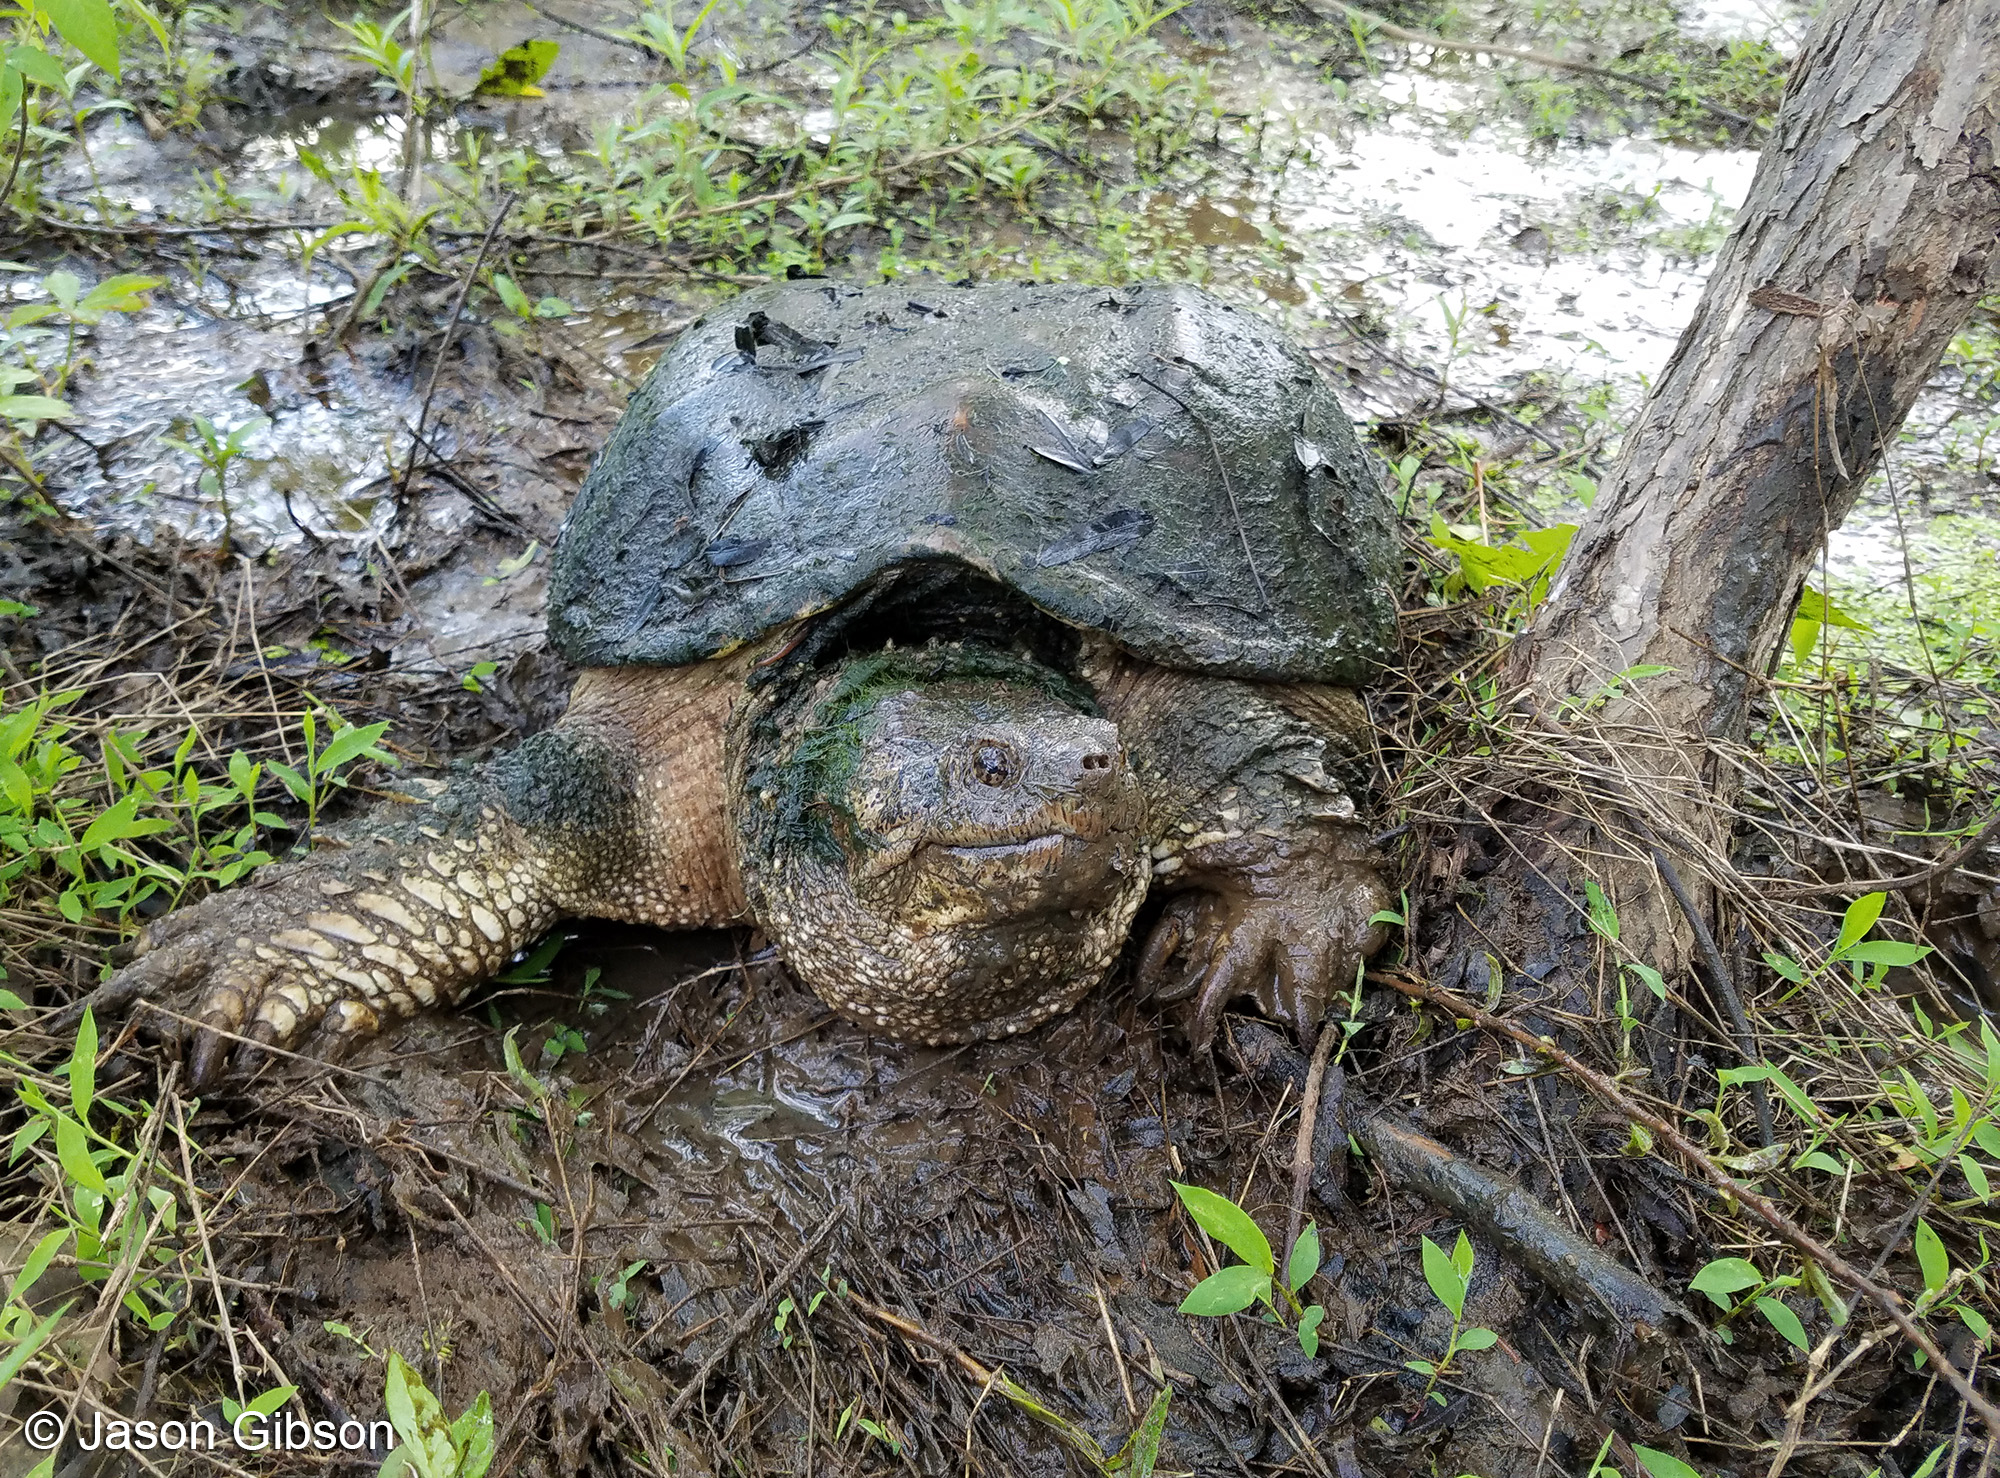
1871	230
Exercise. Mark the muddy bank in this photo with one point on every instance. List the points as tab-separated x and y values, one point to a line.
605	1240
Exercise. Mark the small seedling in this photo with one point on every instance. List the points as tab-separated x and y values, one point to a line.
265	1405
433	1447
1255	1280
217	451
1450	1276
851	1414
615	1289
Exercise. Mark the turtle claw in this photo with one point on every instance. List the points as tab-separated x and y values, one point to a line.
1288	933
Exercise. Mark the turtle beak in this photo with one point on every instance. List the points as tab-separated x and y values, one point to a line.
896	848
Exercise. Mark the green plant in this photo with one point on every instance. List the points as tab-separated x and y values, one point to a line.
326	765
108	1210
1526	562
217	451
433	1447
33	380
266	1404
1868	961
851	1413
1450	1276
1255	1280
519	304
1733	1275
661	34
376	46
615	1289
71	832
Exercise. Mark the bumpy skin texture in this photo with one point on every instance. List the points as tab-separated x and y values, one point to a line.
615	813
963	857
1271	879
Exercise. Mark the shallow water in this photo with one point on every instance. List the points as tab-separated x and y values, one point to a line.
1409	203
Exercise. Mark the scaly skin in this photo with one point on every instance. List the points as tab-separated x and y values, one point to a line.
615	813
989	845
1249	795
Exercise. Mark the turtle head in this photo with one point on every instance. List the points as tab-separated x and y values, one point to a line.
947	844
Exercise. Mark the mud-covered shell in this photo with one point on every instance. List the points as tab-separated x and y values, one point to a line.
1144	461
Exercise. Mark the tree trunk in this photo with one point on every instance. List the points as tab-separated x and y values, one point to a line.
1871	231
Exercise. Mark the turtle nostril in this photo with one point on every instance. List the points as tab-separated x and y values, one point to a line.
1097	762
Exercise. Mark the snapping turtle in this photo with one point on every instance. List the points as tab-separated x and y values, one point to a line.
930	633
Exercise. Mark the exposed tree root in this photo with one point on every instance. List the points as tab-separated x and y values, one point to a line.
1501	1211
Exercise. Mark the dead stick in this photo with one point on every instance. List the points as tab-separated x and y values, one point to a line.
1117	1355
748	1317
450	332
1951	862
1802	1241
1302	1146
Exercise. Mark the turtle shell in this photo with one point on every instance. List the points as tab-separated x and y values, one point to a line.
1145	461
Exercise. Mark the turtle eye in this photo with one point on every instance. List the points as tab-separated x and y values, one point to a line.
994	763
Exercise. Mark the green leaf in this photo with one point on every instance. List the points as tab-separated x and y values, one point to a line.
1975	1176
1145	1441
120	293
1820	1160
268	1403
1858	920
35	408
1477	1339
11	1002
1654	981
472	1438
37	1263
1225	1221
1662	1464
1230	1291
1892	952
1724	1276
1443	1276
1785	967
83	1067
88	26
38	66
1304	1261
1974	1320
73	1153
1461	1257
515	300
1603	917
1815	607
348	745
24	1350
1309	1323
516	70
300	787
1784	1321
1931	1256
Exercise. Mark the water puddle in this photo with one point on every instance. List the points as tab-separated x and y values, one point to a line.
1405	220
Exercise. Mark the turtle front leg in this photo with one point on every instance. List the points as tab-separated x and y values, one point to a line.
1257	839
615	813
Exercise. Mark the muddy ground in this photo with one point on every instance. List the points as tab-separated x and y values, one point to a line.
632	1265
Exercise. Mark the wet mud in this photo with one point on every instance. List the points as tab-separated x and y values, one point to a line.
606	1241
